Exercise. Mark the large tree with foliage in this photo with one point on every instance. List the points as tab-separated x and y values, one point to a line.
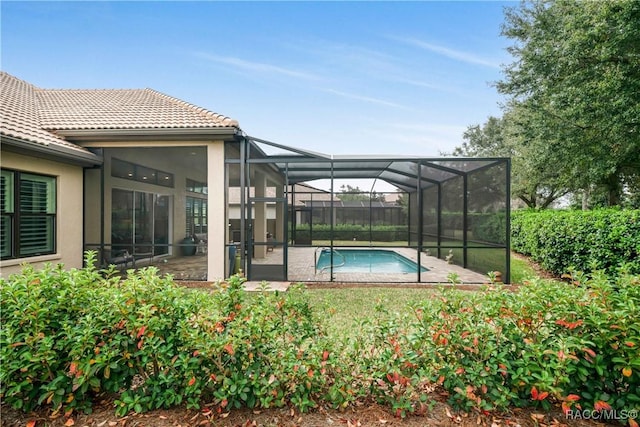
535	180
574	89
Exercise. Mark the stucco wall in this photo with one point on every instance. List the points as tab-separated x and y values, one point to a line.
69	211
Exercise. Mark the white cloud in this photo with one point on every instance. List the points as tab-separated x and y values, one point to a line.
459	55
365	99
257	67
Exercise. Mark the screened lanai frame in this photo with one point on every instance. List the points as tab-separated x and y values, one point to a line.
458	207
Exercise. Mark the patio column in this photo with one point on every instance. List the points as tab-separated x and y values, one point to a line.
217	223
260	216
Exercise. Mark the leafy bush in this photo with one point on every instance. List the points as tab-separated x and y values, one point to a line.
71	337
489	227
68	336
548	344
584	240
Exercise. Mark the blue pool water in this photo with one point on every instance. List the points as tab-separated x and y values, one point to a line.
366	261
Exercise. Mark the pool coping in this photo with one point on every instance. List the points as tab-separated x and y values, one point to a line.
301	268
339	268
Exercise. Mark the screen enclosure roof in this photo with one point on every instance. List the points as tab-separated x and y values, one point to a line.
408	173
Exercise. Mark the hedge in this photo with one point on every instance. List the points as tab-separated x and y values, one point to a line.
605	239
72	338
484	227
380	233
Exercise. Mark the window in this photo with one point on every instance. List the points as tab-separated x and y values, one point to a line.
140	222
196	216
134	172
196	208
196	187
28	209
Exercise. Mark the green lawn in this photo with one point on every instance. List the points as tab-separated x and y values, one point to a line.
521	270
342	309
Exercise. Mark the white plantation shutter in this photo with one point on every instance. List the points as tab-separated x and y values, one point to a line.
196	211
6	207
189	207
37	214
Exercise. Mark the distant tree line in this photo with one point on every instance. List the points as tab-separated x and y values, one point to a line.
351	193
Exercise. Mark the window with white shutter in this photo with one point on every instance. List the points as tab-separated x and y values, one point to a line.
28	214
6	208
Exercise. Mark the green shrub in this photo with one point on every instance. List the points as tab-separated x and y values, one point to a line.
584	240
548	344
489	227
69	336
381	233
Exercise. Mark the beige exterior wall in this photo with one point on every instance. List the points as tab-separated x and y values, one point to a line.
69	211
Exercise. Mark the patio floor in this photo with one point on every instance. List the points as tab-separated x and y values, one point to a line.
301	269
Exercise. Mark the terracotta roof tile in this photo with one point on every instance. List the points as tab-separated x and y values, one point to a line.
19	117
122	109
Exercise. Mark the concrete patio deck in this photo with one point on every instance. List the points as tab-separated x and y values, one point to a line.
301	269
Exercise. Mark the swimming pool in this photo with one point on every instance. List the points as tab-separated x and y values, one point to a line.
366	261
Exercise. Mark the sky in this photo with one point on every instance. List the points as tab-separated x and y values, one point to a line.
395	78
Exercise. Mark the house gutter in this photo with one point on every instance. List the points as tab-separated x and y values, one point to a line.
149	134
51	152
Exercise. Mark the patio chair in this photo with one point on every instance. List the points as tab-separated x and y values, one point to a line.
118	257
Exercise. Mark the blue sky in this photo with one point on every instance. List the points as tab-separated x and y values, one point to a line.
401	78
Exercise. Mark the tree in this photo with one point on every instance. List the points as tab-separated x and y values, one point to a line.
534	179
574	90
484	140
349	193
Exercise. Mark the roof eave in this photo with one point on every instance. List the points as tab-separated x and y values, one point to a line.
149	134
51	152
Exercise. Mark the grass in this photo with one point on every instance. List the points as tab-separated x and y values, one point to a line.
343	309
521	270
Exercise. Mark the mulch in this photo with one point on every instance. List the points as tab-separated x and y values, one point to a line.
103	415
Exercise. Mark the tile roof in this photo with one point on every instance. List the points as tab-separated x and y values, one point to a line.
19	116
34	114
122	109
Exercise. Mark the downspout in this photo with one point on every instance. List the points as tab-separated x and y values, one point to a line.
102	215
